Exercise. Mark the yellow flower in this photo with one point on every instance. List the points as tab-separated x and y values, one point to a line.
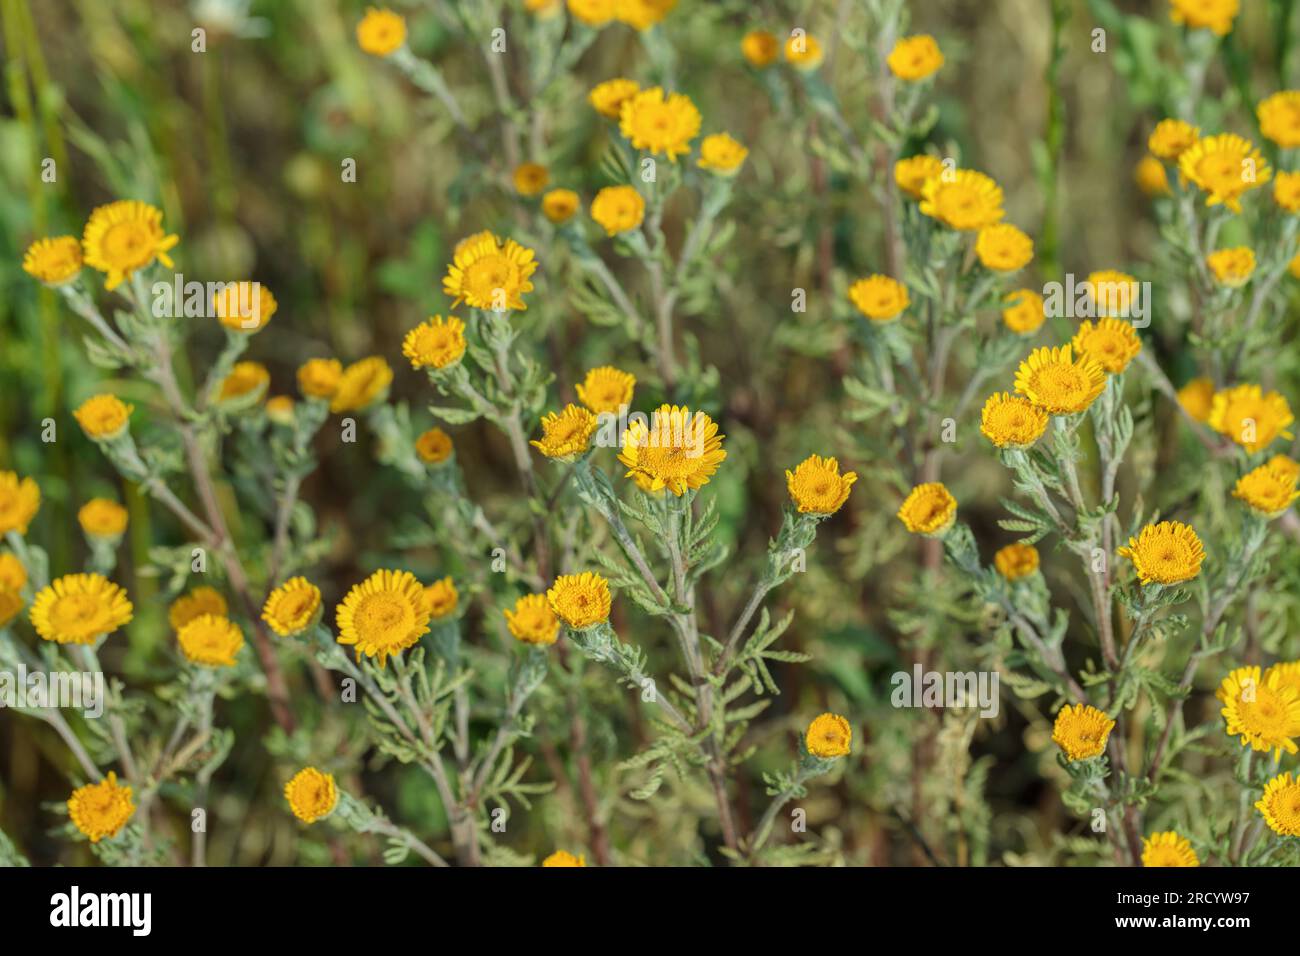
20	499
580	600
101	518
803	52
124	237
1113	294
1286	674
1286	191
1010	421
1151	178
1025	311
1168	849
1165	553
202	600
659	122
642	14
1058	383
11	602
361	385
1081	732
1279	118
606	389
279	409
1288	466
1280	805
312	795
564	858
1216	15
912	173
79	609
879	298
676	451
543	9
915	58
1004	248
488	274
1250	417
608	98
1172	137
434	446
566	434
760	48
1016	561
1225	167
437	343
1267	490
532	620
247	382
1111	343
817	486
12	573
53	261
211	640
829	736
319	378
383	615
100	810
1261	710
103	417
722	154
441	599
928	509
965	200
618	209
1231	267
292	607
1197	398
559	205
244	306
531	178
381	32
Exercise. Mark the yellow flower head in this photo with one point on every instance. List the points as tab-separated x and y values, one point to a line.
915	58
280	409
438	343
11	603
100	810
963	199
580	600
1232	267
606	389
211	640
441	599
1168	849
1111	343
1057	382
660	123
804	52
319	377
53	261
1288	466
760	48
12	573
1287	674
721	154
1016	561
564	858
642	14
608	98
1267	490
489	274
1113	294
543	9
361	385
1216	15
1286	191
560	205
1081	731
1024	311
312	795
618	209
1004	248
1280	805
292	607
101	518
531	178
912	173
1250	417
1279	118
676	451
20	499
244	306
246	383
928	509
1151	178
532	620
434	446
1172	137
1224	166
1262	710
566	434
79	609
124	237
103	417
202	600
383	615
1197	398
879	298
381	32
829	736
1166	553
1010	421
817	487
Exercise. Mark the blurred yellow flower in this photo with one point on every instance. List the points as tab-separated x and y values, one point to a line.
928	509
1216	15
79	609
1250	417
532	621
20	499
1024	311
1231	267
1286	191
244	306
1172	137
879	298
202	600
1151	178
760	48
618	209
660	123
566	435
1168	849
1004	248
606	389
102	518
434	446
437	343
103	417
531	178
319	377
964	199
292	607
211	640
53	261
441	599
247	381
803	52
1197	398
1260	710
489	274
721	154
361	385
381	32
912	173
1111	343
559	205
915	58
564	858
1016	561
280	409
1010	421
13	574
1267	490
124	237
608	98
1279	118
1225	167
642	14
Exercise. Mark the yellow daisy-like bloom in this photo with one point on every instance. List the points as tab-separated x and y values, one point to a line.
1261	710
79	609
1197	398
1151	178
721	154
361	385
1216	15
1166	553
1250	417
292	607
1004	248
101	518
618	209
20	499
1111	343
279	409
566	434
608	98
1286	674
434	446
12	573
381	32
817	487
532	620
915	58
966	200
103	417
1081	732
1225	167
319	377
1112	294
760	48
659	122
1057	382
560	205
879	298
11	603
312	795
491	275
1267	490
543	9
829	736
642	14
211	640
1279	118
804	52
606	389
1010	421
594	13
676	451
1286	191
580	600
441	599
929	509
202	600
246	381
1288	466
244	306
1168	849
1025	311
1280	805
564	858
1232	267
54	261
100	810
437	343
1172	137
383	615
912	173
124	237
1016	561
531	178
